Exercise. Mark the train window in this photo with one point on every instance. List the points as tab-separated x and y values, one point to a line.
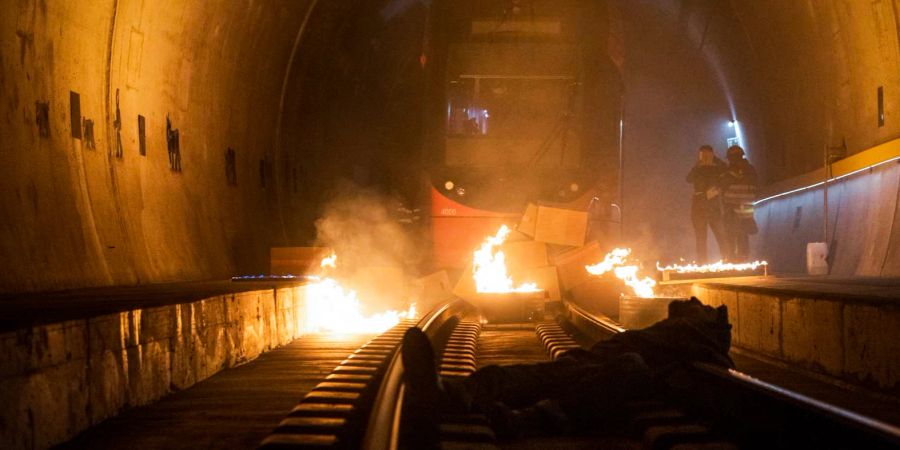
464	116
514	119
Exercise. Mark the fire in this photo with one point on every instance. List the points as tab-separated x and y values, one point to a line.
615	261
489	267
331	308
720	266
611	261
330	261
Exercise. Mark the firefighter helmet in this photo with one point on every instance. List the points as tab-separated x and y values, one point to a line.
735	150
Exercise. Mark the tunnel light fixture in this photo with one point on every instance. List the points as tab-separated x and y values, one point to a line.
821	183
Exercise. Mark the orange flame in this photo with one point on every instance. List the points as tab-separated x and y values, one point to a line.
615	261
331	308
489	267
720	266
330	261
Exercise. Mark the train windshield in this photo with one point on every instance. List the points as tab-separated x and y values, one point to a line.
510	121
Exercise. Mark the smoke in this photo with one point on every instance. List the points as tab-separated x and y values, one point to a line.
374	237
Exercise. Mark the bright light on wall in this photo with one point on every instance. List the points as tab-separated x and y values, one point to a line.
738	138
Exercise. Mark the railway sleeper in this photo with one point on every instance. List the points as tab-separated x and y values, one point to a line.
331	414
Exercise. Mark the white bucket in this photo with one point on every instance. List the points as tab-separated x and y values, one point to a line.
817	258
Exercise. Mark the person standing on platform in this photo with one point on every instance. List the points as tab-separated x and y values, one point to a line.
739	185
706	206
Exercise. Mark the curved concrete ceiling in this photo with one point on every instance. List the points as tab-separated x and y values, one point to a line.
259	91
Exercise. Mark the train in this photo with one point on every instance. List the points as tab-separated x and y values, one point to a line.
524	104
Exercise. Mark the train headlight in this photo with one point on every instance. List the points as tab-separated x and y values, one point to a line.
574	187
460	191
449	185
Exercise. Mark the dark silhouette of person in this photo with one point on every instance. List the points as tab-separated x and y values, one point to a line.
739	183
706	201
574	391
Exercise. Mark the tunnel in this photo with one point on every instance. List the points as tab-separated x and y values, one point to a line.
182	176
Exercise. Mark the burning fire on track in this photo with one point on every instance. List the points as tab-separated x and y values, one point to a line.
616	261
489	267
716	267
333	308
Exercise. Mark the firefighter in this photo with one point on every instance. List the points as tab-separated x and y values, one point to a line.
738	184
706	206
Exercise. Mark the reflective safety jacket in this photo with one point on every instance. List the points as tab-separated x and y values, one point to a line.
739	188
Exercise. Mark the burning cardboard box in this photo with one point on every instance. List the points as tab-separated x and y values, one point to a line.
522	257
529	220
560	226
571	264
598	295
431	289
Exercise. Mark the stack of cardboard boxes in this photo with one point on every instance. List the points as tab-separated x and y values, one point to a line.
546	248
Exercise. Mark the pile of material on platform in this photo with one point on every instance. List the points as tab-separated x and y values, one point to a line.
532	264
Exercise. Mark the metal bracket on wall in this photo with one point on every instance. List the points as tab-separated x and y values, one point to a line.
142	135
117	124
174	146
75	114
230	167
42	118
89	134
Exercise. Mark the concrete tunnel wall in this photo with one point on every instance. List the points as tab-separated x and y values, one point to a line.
76	215
864	225
816	67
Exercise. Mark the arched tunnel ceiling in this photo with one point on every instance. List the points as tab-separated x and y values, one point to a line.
256	115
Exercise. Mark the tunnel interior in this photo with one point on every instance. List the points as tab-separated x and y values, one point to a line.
185	181
150	143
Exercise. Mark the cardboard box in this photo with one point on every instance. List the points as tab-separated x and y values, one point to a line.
517	236
431	290
523	256
560	226
571	264
529	220
296	260
599	296
547	279
465	286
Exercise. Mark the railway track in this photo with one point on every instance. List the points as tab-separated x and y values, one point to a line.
360	405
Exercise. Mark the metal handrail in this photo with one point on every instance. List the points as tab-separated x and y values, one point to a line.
383	430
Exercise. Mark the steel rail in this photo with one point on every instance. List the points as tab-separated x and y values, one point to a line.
785	416
383	428
819	417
